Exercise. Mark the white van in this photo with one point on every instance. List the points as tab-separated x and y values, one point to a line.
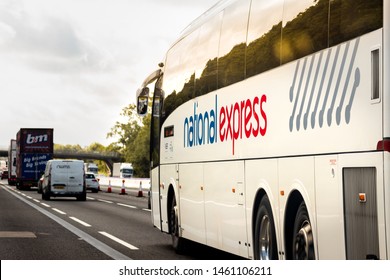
64	178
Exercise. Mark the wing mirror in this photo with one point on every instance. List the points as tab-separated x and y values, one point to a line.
142	101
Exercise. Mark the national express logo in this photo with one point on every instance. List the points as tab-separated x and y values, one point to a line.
319	93
233	122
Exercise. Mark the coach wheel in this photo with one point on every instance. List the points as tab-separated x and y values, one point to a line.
303	242
177	241
265	247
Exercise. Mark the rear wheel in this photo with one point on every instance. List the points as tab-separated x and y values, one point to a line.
82	197
303	242
265	246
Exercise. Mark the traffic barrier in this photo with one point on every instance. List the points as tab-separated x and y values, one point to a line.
109	186
140	193
123	190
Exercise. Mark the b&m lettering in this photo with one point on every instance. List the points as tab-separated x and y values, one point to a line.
36	139
242	119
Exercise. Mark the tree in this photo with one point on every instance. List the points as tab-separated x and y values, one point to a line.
140	157
133	140
98	148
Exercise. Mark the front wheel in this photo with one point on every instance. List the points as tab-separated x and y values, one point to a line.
265	246
45	195
303	241
177	241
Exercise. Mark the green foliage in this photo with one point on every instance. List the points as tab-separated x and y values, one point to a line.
94	147
140	155
133	140
71	148
133	143
99	148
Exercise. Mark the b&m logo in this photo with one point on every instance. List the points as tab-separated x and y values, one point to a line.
36	139
244	119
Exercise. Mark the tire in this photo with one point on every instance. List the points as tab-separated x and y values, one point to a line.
303	242
177	241
265	244
45	195
82	197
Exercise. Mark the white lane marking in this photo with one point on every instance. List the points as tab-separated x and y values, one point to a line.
46	205
106	201
59	211
29	197
91	198
131	247
80	221
148	210
36	200
126	205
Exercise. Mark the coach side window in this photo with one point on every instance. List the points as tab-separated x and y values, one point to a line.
352	18
305	28
206	56
179	74
264	34
231	58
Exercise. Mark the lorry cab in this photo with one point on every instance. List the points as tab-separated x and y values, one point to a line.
64	178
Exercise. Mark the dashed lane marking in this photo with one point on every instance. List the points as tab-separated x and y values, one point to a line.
127	205
59	211
116	239
106	201
80	222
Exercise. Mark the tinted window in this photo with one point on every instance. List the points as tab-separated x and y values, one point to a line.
231	62
264	35
230	46
179	73
352	18
305	28
207	53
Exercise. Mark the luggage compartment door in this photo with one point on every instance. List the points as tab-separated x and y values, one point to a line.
360	213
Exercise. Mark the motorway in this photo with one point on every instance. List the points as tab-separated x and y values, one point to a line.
106	226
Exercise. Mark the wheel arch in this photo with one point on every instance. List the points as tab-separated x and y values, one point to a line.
294	200
256	205
170	196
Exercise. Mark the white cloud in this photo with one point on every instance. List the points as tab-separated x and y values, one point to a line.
73	65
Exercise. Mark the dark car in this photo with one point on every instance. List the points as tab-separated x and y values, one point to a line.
4	175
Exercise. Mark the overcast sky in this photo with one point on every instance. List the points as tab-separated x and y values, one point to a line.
72	65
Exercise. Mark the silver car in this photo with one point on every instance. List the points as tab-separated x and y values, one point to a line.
91	182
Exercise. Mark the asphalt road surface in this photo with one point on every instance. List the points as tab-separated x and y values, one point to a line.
106	226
